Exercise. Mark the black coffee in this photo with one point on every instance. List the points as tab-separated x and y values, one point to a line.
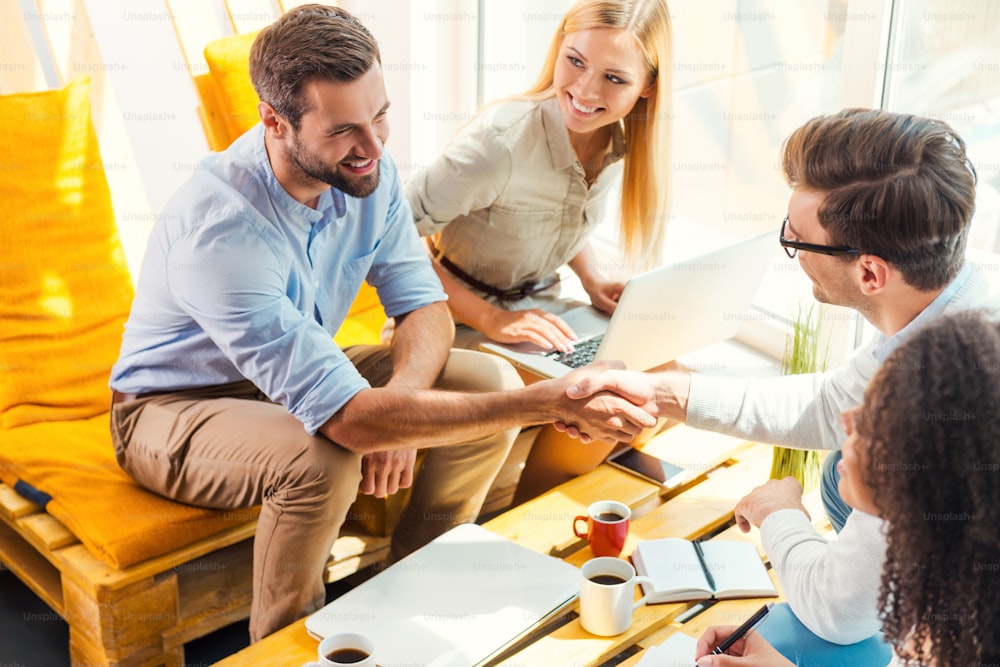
347	655
609	517
607	579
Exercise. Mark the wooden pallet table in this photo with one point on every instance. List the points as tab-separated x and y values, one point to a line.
144	614
728	469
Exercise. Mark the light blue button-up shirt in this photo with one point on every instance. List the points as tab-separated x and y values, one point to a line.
935	309
241	281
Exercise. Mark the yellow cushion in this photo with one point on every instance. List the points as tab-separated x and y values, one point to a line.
65	289
228	62
116	519
364	320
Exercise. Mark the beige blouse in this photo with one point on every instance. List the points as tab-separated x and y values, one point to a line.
508	201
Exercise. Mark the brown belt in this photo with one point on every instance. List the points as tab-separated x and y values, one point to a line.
512	294
121	397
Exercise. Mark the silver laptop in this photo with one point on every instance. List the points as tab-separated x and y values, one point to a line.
662	314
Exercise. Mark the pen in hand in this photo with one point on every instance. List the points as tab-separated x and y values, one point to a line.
742	631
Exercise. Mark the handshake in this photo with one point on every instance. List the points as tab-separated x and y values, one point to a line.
603	401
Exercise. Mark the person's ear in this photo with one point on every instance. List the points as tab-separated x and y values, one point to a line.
649	90
874	274
272	120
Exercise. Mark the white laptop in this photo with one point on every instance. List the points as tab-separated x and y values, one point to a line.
460	600
662	314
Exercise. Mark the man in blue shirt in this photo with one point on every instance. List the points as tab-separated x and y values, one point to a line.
229	391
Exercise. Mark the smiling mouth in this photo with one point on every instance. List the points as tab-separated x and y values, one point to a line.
581	108
358	165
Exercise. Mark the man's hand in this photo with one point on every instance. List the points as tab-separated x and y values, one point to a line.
774	495
385	473
668	389
750	651
602	415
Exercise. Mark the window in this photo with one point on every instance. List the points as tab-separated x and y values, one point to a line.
746	73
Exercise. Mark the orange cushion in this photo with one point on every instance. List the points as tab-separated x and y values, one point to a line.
116	519
65	289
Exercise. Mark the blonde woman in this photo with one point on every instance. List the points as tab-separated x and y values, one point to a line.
518	191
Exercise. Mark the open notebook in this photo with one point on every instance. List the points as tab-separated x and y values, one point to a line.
723	569
458	601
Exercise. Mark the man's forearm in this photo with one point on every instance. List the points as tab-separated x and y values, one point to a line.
420	346
400	418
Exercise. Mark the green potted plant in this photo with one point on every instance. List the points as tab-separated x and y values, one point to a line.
802	355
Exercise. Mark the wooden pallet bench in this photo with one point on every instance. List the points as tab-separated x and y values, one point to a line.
144	614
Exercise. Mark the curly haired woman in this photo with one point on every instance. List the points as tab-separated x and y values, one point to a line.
923	453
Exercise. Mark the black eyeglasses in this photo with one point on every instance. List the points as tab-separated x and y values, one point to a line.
793	247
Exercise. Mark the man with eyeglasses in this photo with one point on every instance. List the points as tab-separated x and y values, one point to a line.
878	220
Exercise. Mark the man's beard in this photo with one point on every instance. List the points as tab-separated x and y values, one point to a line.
355	186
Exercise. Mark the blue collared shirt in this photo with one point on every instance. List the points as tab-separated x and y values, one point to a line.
241	281
935	309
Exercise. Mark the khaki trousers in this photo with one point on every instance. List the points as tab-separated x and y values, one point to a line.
229	447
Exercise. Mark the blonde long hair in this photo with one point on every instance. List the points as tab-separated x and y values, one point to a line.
646	179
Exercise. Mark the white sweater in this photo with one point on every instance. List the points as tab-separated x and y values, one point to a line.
832	586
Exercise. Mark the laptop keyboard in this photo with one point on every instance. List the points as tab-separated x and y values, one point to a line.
582	354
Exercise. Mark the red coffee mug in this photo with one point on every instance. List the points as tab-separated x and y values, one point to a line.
607	527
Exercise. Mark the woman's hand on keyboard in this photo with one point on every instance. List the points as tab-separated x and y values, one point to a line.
546	330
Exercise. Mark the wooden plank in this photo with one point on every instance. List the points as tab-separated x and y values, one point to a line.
708	506
40	530
572	645
82	652
30	567
13	505
291	645
212	592
48	531
354	552
90	572
545	523
693	449
132	622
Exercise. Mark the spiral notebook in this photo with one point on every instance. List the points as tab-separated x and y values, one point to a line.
458	601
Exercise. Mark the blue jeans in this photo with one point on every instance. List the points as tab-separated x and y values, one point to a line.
793	640
836	509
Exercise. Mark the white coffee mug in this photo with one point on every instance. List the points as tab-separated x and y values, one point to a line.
607	586
353	645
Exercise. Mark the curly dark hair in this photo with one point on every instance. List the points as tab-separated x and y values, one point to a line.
931	418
